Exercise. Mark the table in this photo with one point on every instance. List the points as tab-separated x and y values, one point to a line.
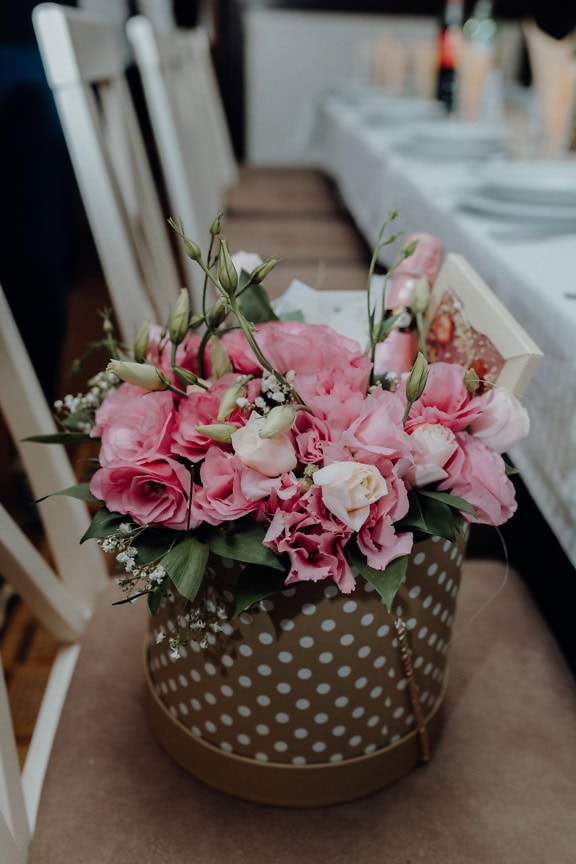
535	280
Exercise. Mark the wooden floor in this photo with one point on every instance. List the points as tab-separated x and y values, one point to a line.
335	258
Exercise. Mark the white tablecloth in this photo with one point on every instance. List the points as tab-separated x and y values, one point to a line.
531	278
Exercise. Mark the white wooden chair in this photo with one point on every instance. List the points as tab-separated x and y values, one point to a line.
85	70
63	602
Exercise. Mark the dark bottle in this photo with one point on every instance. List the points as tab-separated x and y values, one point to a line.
448	48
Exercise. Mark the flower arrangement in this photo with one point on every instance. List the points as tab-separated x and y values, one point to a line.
276	444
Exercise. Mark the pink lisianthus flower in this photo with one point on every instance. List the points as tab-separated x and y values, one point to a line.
134	425
220	498
270	456
378	427
478	475
338	406
445	399
200	408
502	420
377	539
160	352
312	539
152	493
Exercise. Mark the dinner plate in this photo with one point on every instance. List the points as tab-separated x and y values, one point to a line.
385	110
480	202
538	181
451	139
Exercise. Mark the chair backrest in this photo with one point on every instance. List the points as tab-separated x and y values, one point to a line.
84	67
63	602
188	121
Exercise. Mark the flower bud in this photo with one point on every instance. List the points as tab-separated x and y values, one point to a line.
279	419
217	313
420	296
220	432
215	226
220	361
417	378
142	342
226	270
196	321
192	249
139	374
178	326
471	381
262	270
185	376
229	400
409	248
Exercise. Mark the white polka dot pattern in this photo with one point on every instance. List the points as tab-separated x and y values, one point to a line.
313	676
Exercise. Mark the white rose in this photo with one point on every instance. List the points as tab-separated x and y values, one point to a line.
271	456
433	445
503	422
348	490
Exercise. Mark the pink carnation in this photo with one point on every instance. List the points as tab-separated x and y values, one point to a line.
312	539
377	538
153	493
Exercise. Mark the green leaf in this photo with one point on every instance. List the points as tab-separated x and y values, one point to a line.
387	325
61	438
245	544
385	582
510	470
296	315
79	490
254	584
155	597
185	564
255	304
429	516
104	524
451	500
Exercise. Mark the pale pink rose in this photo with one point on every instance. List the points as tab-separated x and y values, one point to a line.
478	475
270	456
378	427
349	489
503	421
152	493
377	538
433	446
220	498
445	399
312	539
135	426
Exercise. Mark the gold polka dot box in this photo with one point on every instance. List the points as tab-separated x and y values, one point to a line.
310	697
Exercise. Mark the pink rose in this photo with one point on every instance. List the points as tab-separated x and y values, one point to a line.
220	498
377	538
502	421
445	399
135	425
314	542
310	434
349	489
152	493
270	456
478	475
433	445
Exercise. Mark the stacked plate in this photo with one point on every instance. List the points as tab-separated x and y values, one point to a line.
455	139
541	191
386	110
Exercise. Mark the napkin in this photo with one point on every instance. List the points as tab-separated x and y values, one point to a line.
553	66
